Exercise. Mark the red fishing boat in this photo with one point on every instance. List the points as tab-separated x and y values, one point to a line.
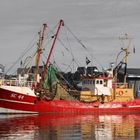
100	93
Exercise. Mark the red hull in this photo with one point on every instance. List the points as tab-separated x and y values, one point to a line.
22	102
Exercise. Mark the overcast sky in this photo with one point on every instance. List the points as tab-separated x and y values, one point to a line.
98	23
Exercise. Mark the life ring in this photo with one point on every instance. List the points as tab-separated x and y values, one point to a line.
121	93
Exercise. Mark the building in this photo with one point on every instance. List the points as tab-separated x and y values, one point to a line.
1	71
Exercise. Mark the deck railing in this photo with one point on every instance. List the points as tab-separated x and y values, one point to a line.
22	83
122	85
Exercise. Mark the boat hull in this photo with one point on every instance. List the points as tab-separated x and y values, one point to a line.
13	102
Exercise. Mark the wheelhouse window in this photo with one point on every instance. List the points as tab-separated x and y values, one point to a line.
101	82
138	88
97	82
105	83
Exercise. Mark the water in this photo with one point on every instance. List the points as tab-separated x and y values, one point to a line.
69	127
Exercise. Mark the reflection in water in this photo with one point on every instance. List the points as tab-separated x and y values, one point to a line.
70	127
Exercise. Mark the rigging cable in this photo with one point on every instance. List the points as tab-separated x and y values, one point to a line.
51	36
23	54
83	45
73	57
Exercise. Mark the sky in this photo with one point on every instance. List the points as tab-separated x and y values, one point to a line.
97	23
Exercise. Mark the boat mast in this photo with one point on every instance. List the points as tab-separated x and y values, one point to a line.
61	23
125	58
125	61
126	50
39	51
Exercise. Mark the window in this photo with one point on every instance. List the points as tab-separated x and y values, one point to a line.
90	81
138	88
97	82
84	82
105	83
101	82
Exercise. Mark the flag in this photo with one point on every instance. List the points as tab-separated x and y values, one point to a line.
21	63
87	61
134	49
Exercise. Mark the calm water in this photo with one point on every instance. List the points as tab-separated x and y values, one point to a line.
69	127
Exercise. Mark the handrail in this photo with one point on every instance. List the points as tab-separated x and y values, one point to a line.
21	83
121	85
